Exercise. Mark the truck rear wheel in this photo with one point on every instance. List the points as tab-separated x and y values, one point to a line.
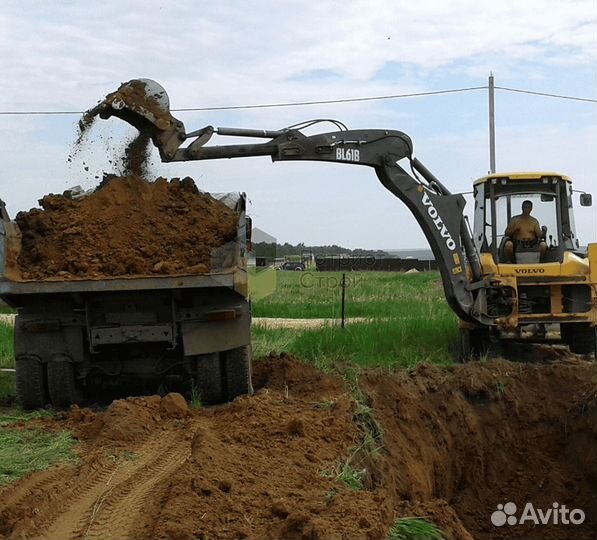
237	371
580	337
30	382
62	384
208	379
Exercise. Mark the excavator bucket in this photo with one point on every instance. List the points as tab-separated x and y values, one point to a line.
142	103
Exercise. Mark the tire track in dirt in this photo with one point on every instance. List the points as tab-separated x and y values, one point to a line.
122	508
109	505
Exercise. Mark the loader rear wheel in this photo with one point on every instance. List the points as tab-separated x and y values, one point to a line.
62	384
580	337
30	382
237	372
474	344
208	379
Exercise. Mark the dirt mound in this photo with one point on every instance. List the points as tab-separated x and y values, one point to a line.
294	378
127	420
456	443
174	405
127	227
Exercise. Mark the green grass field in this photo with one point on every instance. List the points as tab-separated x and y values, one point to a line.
411	322
309	294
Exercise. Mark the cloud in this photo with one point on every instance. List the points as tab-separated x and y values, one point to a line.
224	53
66	55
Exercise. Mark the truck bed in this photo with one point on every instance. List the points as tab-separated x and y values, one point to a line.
132	283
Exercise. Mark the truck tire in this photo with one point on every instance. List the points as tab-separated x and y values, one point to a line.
208	379
237	372
62	385
30	382
580	337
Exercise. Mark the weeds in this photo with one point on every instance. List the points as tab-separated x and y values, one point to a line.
371	443
372	432
195	397
125	455
329	496
408	528
128	456
345	473
325	405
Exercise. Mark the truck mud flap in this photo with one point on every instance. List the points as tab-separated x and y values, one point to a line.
214	336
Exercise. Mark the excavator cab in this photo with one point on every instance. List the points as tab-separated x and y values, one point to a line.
551	284
499	202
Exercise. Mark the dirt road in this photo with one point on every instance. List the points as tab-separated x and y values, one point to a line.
455	443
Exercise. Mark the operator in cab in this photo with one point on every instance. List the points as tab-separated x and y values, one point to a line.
524	230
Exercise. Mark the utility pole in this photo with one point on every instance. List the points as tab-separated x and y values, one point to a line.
491	125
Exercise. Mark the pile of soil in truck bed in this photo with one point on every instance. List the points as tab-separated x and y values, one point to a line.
127	226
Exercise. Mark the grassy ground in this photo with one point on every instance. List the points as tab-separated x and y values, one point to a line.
23	451
368	294
10	415
390	343
411	321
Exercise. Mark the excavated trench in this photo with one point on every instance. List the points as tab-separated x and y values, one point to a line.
481	435
457	442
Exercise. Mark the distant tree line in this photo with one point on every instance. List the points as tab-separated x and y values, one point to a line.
272	250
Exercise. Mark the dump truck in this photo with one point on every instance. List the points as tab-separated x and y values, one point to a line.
506	278
72	334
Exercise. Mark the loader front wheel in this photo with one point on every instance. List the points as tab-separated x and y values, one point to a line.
237	372
62	384
580	337
30	382
474	344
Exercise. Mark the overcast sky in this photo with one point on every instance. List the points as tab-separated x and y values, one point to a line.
65	55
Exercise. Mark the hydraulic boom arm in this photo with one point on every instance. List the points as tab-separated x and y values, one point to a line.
439	213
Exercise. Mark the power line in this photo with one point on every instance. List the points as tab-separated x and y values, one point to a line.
545	94
273	105
322	102
331	101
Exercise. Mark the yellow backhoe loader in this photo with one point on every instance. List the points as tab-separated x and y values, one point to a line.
512	277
